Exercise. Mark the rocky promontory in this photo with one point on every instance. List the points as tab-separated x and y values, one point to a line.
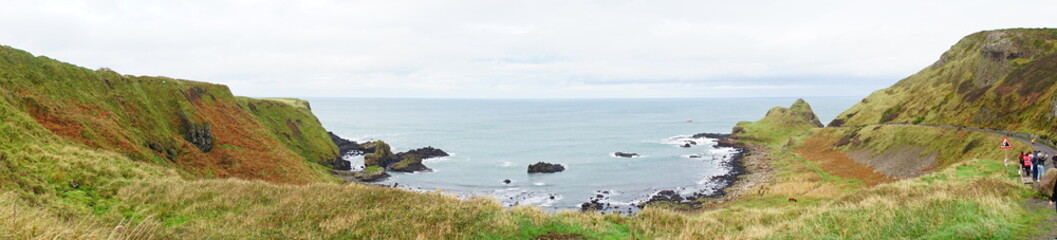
423	153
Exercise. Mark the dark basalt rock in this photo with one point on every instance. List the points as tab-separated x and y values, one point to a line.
345	148
339	163
198	134
507	181
593	205
409	164
625	155
423	153
667	196
542	167
686	145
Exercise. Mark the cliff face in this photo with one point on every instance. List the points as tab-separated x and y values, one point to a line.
1001	79
199	128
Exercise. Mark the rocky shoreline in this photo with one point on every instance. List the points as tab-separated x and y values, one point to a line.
748	169
722	182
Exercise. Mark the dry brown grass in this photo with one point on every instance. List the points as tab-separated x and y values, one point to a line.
18	221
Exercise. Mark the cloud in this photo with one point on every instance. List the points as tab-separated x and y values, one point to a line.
522	49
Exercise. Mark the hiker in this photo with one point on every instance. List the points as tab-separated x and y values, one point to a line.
1040	167
1026	162
1053	160
1035	166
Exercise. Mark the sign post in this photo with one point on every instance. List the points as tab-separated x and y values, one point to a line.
1005	145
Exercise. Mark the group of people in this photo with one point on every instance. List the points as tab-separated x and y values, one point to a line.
1033	164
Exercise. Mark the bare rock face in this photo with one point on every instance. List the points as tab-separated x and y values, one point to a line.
542	167
198	134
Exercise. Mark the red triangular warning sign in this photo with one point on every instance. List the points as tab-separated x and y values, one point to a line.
1005	143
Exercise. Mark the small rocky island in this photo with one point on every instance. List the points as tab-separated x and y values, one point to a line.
543	167
625	155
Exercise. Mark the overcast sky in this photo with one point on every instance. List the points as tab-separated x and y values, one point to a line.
513	49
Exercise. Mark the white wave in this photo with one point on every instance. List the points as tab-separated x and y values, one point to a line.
539	184
437	159
679	140
507	164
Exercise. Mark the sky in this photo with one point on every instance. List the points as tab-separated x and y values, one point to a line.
513	49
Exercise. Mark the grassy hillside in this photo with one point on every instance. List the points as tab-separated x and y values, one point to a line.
291	122
158	120
1003	79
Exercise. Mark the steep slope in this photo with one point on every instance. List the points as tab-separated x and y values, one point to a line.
1002	79
780	121
199	128
291	122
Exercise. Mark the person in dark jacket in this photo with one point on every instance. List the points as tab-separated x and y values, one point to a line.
1035	166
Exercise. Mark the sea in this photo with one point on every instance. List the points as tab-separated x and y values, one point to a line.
492	140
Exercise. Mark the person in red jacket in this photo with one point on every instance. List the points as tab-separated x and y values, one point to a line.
1026	162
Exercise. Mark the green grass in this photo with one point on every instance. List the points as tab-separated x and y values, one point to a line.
971	87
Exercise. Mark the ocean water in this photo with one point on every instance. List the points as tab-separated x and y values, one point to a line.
493	140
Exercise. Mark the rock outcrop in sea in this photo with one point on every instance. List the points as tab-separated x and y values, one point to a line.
423	153
543	167
379	154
